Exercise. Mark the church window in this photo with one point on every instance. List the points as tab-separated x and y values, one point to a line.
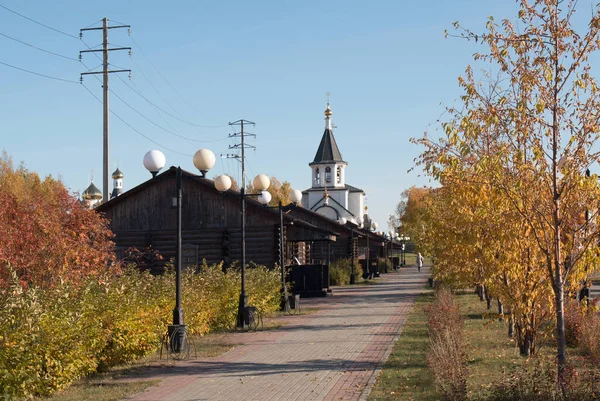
327	174
338	175
317	177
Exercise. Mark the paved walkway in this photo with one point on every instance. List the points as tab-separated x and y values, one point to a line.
333	354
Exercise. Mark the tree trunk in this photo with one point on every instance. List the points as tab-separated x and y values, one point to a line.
500	311
488	299
525	345
511	326
481	292
560	332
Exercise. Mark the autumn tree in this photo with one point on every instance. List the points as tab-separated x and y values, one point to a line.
530	126
408	212
47	234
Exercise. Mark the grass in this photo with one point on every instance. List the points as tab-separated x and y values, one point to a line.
405	375
491	354
123	381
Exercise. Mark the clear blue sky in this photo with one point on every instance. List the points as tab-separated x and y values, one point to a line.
386	63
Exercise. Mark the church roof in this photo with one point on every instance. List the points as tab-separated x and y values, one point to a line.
117	174
328	150
91	192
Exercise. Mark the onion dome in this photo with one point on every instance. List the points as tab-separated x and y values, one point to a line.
91	193
328	111
117	174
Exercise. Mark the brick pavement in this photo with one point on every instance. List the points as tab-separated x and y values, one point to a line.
333	354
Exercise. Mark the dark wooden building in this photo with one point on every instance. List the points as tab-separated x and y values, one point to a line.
146	216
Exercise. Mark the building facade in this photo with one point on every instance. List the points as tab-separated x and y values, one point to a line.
329	194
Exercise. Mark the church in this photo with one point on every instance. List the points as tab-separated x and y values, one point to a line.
329	195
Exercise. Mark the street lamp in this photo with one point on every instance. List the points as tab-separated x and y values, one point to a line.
359	222
391	238
264	198
261	183
403	239
154	161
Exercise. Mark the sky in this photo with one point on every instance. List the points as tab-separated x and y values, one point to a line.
202	64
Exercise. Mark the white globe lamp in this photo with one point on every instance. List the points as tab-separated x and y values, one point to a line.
222	183
261	182
154	161
343	221
204	160
264	198
295	196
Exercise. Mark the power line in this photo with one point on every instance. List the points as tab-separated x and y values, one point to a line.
132	128
148	119
163	77
164	111
37	48
37	73
39	23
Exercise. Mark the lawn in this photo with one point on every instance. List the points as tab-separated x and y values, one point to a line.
491	354
405	375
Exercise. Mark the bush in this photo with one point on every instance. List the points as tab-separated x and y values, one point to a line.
49	337
446	358
341	269
385	264
536	381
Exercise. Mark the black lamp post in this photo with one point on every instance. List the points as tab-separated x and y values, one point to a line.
352	276
391	236
261	183
154	161
264	198
585	291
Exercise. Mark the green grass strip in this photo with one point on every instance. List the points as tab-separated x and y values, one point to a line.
405	375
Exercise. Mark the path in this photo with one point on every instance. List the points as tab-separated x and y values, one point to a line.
333	354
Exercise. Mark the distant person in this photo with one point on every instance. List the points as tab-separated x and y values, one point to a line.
419	261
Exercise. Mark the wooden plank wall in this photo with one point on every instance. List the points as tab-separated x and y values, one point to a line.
212	244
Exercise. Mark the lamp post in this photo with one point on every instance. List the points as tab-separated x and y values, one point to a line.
359	222
403	239
264	198
154	161
391	237
261	183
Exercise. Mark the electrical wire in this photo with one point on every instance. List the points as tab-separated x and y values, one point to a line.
37	48
166	112
38	74
163	77
180	118
132	128
39	23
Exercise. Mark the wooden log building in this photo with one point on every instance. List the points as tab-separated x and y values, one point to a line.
145	216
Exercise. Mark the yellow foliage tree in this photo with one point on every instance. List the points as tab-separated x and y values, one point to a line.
528	130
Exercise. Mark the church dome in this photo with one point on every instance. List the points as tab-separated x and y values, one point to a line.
117	174
92	192
328	111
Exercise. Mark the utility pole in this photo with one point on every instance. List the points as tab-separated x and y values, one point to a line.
243	303
105	71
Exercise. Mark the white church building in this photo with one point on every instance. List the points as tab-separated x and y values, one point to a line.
329	195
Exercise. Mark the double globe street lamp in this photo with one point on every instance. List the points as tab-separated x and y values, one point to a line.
264	198
154	161
261	183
